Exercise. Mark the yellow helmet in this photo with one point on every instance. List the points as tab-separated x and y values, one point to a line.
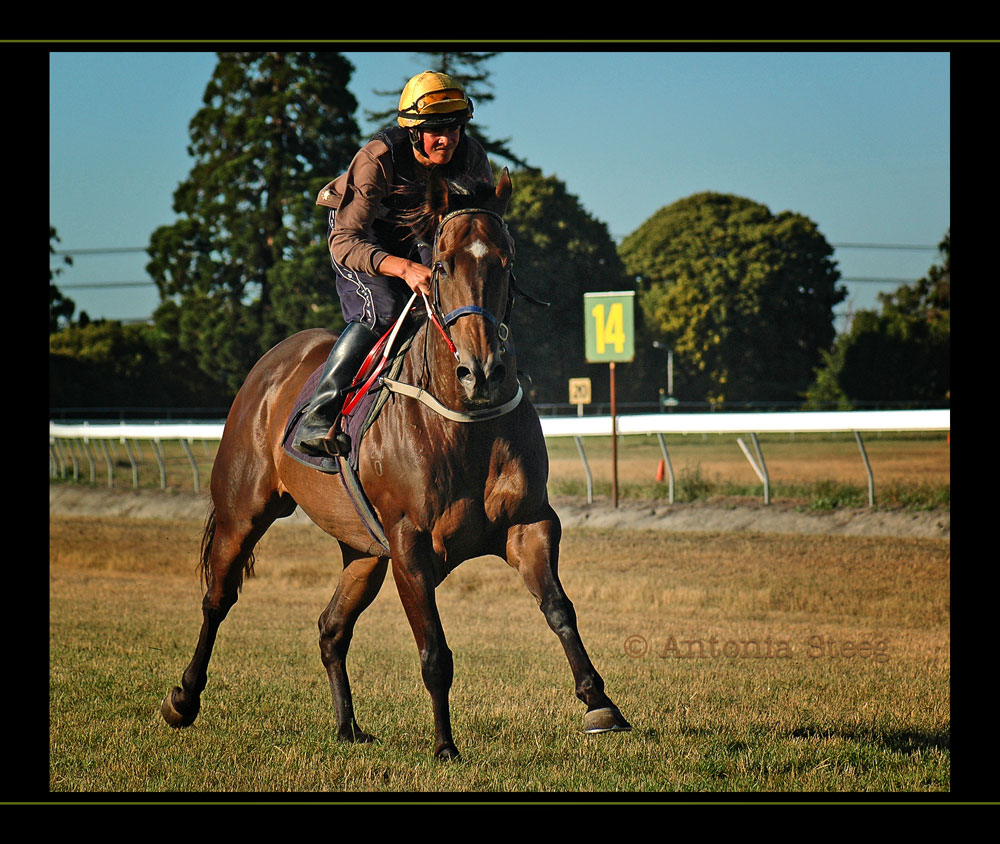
432	99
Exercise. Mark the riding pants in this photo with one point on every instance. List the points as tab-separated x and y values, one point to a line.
376	301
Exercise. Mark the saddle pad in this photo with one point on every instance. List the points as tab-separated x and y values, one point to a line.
324	464
336	465
354	425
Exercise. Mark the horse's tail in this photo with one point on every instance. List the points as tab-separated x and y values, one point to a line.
207	538
206	545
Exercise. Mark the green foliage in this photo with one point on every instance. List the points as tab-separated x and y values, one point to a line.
60	308
561	253
901	355
108	364
744	296
246	264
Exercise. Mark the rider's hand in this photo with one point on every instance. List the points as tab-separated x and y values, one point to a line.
416	276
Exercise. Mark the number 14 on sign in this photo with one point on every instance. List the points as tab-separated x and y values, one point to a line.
609	326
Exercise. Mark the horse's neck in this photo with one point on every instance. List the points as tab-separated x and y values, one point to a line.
431	366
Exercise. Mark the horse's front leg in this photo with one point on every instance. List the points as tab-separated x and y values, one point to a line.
416	580
533	549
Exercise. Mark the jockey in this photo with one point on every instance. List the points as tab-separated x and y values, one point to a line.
376	262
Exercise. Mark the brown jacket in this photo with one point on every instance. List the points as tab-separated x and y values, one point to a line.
365	197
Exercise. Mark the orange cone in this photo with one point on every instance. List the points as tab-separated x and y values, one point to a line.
659	471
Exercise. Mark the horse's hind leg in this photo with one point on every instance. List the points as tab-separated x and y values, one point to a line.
533	549
359	584
227	556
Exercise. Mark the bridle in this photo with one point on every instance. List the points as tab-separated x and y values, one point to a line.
442	321
445	321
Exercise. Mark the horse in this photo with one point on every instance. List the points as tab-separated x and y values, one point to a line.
448	483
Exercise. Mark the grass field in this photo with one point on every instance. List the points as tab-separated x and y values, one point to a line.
747	663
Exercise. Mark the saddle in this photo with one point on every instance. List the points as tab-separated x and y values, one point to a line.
362	411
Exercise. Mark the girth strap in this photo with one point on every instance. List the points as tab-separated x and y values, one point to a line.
426	398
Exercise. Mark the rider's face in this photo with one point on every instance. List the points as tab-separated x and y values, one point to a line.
439	145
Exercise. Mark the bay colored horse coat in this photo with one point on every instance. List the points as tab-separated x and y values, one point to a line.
444	490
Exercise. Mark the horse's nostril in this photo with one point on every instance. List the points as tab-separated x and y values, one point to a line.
498	374
464	373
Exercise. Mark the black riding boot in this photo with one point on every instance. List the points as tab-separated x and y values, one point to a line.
315	435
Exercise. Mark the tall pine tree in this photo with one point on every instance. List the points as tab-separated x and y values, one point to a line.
246	263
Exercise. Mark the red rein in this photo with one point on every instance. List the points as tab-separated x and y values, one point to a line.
385	345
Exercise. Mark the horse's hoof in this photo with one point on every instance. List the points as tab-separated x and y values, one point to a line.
605	720
174	717
448	753
356	736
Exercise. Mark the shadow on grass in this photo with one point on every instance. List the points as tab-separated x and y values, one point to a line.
897	741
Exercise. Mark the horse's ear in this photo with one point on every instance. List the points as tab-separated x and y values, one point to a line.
504	190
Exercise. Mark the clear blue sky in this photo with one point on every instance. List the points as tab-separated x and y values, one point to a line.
859	142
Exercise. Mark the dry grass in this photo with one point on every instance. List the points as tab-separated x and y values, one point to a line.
804	717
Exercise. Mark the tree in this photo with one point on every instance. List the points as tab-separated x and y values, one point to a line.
247	263
468	69
61	308
561	252
744	297
928	300
108	364
901	356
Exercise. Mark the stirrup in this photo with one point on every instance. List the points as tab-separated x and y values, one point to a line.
338	445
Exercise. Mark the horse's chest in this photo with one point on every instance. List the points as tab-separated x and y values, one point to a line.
462	530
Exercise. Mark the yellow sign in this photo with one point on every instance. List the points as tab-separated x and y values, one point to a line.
579	391
609	326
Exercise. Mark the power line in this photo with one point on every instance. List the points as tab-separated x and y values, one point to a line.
884	246
111	250
100	284
901	246
106	284
875	280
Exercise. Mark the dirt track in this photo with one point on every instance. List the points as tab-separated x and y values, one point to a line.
629	515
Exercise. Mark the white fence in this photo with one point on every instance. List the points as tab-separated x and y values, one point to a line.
69	442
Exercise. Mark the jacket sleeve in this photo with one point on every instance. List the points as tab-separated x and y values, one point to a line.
357	196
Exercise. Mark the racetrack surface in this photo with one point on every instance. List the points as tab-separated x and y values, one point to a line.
746	516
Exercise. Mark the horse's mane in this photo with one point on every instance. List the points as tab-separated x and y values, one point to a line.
459	191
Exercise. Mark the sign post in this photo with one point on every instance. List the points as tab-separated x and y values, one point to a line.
579	393
609	335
